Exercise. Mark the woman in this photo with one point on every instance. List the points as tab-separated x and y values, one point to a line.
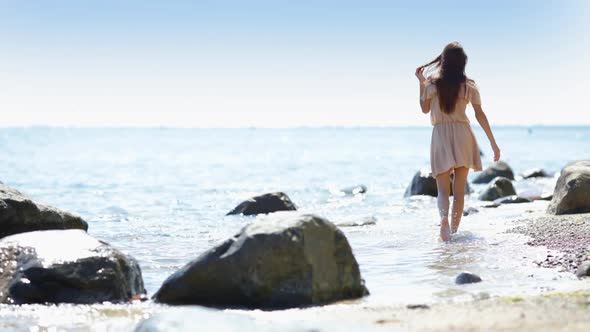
453	148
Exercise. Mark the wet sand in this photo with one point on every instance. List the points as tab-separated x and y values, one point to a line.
552	312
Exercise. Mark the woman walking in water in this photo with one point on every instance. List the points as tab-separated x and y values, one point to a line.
453	148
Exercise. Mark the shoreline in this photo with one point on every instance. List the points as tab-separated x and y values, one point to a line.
556	311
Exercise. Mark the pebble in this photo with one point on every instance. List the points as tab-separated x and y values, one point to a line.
467	278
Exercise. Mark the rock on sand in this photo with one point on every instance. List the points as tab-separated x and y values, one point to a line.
572	190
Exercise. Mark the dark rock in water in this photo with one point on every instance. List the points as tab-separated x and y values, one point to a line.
65	266
534	173
572	190
491	205
469	211
423	183
583	270
480	152
500	168
266	203
467	278
354	190
19	214
499	187
417	306
281	261
512	200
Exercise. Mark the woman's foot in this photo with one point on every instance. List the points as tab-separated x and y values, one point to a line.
445	232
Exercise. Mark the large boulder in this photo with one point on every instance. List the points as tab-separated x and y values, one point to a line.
281	261
65	266
499	187
572	190
500	168
423	183
19	214
267	203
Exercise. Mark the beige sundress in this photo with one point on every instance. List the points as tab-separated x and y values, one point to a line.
453	143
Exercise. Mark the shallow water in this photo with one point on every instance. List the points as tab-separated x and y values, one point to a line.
160	195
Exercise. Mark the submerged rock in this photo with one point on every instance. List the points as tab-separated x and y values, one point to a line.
572	190
467	278
535	173
491	205
267	203
583	270
423	183
469	211
19	214
500	168
281	261
354	190
513	199
65	266
499	187
417	306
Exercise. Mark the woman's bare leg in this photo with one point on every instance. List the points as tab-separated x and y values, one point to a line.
443	182
458	197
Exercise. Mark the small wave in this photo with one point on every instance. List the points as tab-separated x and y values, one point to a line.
465	237
115	210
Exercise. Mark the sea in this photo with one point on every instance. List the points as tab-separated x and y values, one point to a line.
161	195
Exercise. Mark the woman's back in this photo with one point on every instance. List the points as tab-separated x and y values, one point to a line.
468	93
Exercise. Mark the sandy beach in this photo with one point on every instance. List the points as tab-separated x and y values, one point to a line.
550	312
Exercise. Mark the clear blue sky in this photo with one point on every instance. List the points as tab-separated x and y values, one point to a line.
283	63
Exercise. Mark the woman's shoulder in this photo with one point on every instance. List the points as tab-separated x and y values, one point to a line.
471	83
430	86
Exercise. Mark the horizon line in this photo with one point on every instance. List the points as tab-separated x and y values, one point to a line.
277	127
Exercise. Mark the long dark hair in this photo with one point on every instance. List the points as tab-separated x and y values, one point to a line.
450	75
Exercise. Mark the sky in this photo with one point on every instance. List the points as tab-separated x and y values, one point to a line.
284	63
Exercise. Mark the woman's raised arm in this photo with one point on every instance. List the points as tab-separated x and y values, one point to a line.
424	103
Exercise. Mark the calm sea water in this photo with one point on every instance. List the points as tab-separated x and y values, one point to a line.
160	195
